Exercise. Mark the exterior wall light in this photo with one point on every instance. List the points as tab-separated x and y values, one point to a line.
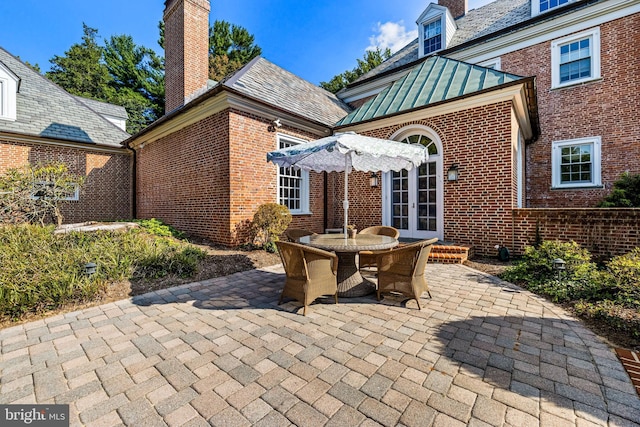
452	173
373	180
90	268
559	265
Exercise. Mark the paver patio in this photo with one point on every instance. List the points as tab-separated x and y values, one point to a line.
222	352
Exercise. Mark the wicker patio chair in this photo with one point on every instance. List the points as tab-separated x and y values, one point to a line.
294	234
402	270
368	258
311	273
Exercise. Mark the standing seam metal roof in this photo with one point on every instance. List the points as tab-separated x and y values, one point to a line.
436	79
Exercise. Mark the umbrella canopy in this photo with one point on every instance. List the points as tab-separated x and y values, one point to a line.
345	151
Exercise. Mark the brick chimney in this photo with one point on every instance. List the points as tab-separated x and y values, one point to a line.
457	8
186	50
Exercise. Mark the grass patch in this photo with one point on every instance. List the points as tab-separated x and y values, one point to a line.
41	271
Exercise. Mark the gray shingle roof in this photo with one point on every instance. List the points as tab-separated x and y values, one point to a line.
488	19
104	108
266	81
45	109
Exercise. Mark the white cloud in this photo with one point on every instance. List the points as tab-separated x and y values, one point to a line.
392	35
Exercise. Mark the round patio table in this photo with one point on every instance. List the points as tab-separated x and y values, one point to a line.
350	281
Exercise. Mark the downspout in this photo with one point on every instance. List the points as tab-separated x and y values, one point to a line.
134	192
326	210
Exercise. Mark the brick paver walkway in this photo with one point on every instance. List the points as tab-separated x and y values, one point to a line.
222	352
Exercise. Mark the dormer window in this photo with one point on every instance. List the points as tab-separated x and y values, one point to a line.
432	36
8	88
550	4
436	27
542	6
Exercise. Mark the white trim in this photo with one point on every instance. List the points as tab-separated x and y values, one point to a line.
304	178
591	16
430	133
8	90
593	35
493	63
71	198
596	156
70	144
515	94
520	172
221	102
432	13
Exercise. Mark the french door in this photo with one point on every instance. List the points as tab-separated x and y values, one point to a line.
413	199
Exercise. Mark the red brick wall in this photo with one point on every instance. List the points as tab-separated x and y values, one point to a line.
606	108
604	232
186	49
106	193
477	207
183	179
253	180
199	182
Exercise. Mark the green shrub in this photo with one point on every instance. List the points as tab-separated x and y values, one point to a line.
269	222
625	193
40	270
159	228
623	278
536	265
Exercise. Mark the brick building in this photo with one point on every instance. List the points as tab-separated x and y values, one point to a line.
524	104
42	123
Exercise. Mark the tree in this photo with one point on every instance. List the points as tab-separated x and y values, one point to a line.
81	70
625	194
137	80
230	48
34	193
120	72
370	60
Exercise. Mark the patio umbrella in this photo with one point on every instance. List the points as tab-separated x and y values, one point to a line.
345	151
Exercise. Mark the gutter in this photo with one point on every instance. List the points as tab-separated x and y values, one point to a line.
216	90
529	83
479	40
134	181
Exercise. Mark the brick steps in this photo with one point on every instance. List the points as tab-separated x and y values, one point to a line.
450	254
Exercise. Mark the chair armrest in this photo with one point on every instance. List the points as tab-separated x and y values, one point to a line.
317	252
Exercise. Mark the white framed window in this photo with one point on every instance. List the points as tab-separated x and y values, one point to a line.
293	184
494	64
575	58
432	36
542	6
8	88
576	163
40	189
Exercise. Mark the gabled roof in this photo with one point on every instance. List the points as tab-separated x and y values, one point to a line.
44	109
263	80
104	108
435	80
489	19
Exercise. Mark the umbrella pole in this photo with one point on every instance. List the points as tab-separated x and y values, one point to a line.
345	202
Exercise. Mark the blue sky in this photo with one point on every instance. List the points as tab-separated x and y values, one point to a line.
313	39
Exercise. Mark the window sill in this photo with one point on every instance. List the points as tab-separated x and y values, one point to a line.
581	187
301	213
577	83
